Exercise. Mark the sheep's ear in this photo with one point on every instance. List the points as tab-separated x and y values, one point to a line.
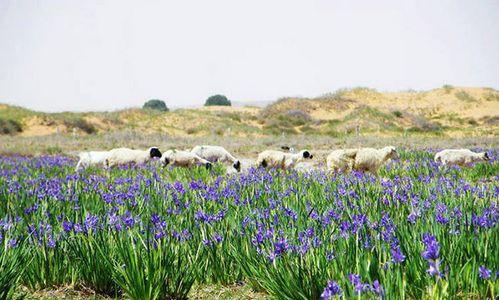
306	154
154	152
237	166
486	156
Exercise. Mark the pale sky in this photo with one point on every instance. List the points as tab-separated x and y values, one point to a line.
101	55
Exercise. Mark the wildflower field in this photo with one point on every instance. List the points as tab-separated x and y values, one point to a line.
417	231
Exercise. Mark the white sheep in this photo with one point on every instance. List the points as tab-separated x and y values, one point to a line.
91	158
216	154
460	157
121	156
179	158
341	160
370	159
281	160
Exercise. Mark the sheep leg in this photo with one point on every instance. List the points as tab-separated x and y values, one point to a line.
78	166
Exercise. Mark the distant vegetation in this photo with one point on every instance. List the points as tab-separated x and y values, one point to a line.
447	88
463	96
156	104
77	122
9	126
217	100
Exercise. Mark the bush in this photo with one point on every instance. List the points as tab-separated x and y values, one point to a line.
80	123
397	113
447	88
155	104
492	96
8	126
463	96
217	100
472	122
295	117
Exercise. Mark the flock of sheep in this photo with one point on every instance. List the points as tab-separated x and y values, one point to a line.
342	160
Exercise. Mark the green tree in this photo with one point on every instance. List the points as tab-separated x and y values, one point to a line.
155	104
217	100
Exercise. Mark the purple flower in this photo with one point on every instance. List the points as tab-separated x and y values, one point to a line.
377	288
332	289
432	248
91	222
431	254
434	269
217	238
12	243
67	226
484	272
397	255
356	281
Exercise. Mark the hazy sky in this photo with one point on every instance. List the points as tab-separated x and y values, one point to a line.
98	55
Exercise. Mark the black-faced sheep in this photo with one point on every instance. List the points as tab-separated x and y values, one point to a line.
179	158
122	156
92	158
460	157
341	160
370	159
216	154
282	160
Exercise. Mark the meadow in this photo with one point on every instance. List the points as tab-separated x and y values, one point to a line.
417	231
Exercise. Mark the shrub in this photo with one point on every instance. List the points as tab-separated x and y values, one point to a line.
447	88
463	96
80	123
294	117
492	96
9	126
217	100
472	122
397	113
336	95
52	150
155	104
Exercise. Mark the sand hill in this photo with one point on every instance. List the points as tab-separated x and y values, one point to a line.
448	111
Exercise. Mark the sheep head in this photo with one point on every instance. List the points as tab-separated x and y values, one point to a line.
237	166
165	161
390	153
484	156
154	152
305	154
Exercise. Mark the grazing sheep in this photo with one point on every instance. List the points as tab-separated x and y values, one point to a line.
460	157
121	156
216	154
288	148
370	159
92	158
341	160
179	158
281	160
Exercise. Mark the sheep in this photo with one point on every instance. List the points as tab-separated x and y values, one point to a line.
281	160
216	154
179	158
460	157
341	160
91	158
370	159
288	148
122	156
